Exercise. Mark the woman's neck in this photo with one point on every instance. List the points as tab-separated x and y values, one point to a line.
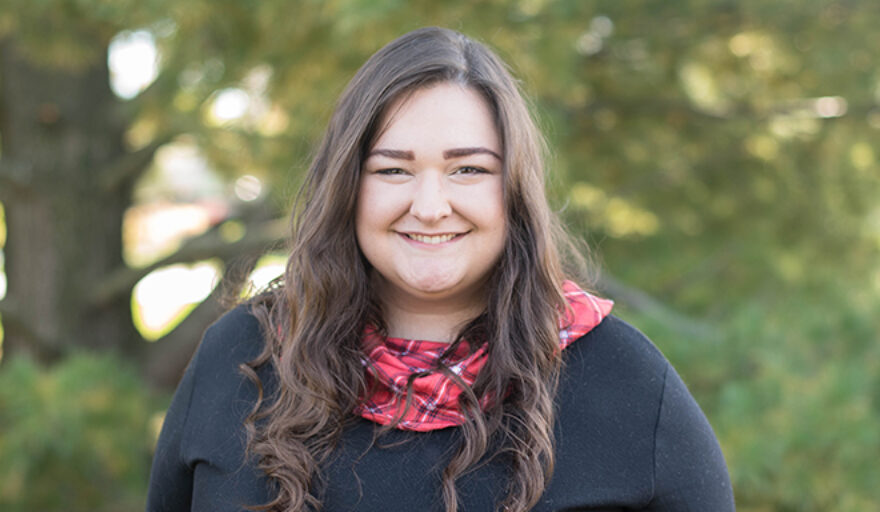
409	318
439	319
425	325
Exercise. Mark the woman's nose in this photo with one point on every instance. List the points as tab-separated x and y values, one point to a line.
430	202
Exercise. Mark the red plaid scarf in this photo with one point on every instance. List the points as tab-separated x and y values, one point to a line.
389	363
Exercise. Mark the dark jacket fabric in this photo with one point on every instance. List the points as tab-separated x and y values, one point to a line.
629	436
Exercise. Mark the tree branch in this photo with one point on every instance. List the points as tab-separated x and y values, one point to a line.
258	237
166	358
644	303
131	165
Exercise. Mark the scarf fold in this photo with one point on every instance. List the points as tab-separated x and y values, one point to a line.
434	400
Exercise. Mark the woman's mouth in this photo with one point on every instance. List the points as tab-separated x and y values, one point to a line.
432	239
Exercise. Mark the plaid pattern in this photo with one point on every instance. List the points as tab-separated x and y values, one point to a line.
390	362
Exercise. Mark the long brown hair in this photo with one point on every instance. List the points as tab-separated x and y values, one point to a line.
314	319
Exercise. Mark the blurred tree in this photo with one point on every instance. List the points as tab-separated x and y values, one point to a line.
70	162
62	137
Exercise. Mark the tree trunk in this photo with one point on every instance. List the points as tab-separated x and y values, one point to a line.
61	137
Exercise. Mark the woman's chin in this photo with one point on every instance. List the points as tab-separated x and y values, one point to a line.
433	286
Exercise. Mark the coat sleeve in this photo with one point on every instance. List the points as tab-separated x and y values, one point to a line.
171	478
689	469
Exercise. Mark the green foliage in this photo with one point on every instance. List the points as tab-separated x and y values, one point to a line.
790	385
76	437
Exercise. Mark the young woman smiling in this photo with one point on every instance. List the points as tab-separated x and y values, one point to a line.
425	350
430	215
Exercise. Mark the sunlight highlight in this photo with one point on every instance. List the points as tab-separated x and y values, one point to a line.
134	62
230	104
164	297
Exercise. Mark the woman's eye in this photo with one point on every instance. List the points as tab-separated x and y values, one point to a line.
470	170
394	171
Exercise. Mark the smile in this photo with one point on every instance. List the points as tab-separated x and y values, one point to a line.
431	239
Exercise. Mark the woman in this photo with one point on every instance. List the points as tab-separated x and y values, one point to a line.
425	350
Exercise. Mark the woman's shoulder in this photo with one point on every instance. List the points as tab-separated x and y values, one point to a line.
609	398
616	346
230	342
613	372
221	394
234	338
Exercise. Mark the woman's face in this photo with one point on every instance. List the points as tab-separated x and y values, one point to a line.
430	213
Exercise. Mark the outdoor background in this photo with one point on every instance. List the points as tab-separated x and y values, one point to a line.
720	158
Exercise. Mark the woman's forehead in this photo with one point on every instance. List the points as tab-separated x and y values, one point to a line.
441	116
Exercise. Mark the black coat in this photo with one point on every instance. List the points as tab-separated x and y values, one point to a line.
629	436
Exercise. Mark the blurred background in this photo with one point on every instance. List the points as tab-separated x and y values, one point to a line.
719	157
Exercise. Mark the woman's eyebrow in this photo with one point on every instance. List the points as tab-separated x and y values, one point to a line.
447	154
393	153
459	152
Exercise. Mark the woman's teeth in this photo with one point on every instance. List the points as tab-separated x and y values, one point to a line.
436	239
